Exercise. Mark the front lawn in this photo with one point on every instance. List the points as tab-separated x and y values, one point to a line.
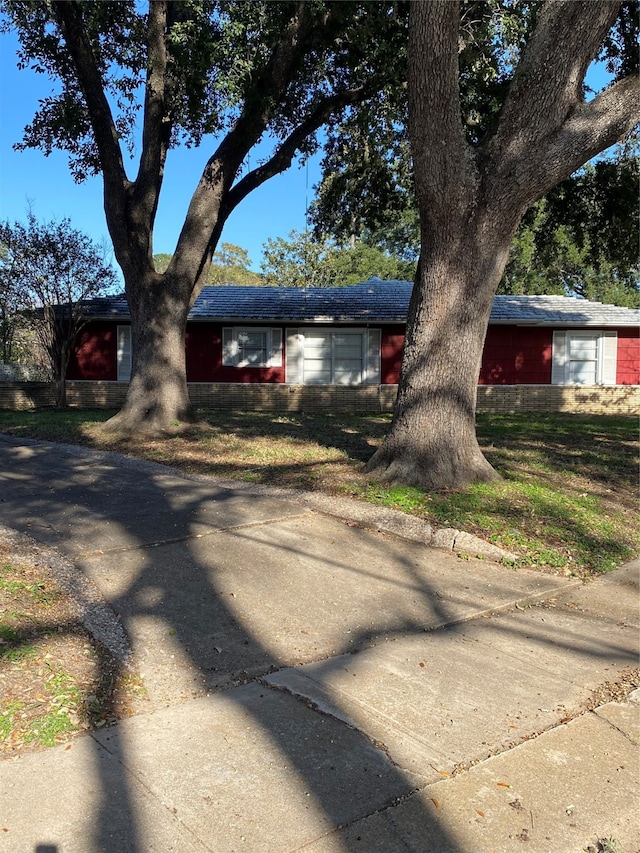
567	501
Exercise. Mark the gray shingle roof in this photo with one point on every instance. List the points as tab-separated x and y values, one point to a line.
372	301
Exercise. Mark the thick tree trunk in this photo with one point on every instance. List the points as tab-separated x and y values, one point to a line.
432	440
471	197
157	398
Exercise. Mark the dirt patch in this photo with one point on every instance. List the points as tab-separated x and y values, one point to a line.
56	680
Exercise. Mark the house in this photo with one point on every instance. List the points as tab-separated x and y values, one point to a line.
353	337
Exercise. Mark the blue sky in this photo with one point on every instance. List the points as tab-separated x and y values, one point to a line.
28	178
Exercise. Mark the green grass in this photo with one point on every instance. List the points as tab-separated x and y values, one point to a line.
37	592
7	718
65	696
567	500
13	645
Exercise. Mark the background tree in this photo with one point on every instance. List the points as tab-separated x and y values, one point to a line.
47	270
243	72
476	174
302	261
582	238
229	265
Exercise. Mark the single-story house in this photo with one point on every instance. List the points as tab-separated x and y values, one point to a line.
354	336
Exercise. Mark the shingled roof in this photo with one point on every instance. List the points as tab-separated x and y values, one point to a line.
372	301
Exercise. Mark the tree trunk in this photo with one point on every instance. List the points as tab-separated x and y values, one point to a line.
157	398
60	383
432	440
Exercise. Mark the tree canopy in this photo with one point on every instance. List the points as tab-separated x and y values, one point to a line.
582	239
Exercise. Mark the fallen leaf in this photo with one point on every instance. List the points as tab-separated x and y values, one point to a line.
503	785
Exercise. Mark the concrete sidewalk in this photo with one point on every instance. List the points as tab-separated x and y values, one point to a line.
314	682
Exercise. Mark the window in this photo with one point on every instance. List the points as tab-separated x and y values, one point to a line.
317	356
584	358
251	347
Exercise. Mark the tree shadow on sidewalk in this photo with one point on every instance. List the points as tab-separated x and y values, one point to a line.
157	592
169	580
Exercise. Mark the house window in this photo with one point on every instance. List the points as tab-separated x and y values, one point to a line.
123	358
584	357
318	356
251	347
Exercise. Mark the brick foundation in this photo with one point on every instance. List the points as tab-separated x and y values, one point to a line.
616	399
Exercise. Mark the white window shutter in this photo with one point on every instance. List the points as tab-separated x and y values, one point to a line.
124	354
558	367
293	372
276	348
374	342
609	341
229	348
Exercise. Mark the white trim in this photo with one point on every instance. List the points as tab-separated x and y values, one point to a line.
123	353
565	370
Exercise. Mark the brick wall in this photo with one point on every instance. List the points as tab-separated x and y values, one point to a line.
26	395
617	399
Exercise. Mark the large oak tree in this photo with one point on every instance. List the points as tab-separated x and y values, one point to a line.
190	71
472	191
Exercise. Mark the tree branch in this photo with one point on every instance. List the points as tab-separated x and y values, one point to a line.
221	169
594	127
156	130
548	83
438	146
69	17
546	130
286	151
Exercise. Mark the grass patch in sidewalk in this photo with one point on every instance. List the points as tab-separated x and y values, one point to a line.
567	501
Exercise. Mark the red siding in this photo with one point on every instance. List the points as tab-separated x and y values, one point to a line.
512	356
95	356
516	356
391	354
628	370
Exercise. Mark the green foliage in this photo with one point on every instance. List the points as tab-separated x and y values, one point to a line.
302	261
582	238
230	265
220	57
367	187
